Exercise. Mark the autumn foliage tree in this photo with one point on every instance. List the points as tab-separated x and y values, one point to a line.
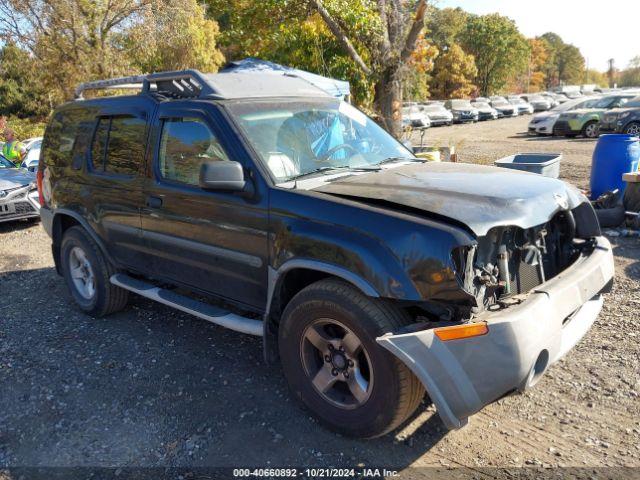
454	72
73	41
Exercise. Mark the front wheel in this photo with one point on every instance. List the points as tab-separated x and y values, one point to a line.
335	367
632	129
591	129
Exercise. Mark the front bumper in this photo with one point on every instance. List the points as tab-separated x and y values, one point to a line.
567	127
18	204
462	376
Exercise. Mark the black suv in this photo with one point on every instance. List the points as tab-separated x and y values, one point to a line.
262	204
623	120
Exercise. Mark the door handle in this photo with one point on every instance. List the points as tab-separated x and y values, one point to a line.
154	202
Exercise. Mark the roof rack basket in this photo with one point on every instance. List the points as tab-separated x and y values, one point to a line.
177	84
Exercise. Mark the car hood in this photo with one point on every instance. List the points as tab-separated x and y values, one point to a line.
480	197
503	107
15	177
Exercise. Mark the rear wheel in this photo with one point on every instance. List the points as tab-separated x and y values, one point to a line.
632	129
591	129
335	367
87	272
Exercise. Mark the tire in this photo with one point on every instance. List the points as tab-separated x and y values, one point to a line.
80	253
391	394
632	129
590	129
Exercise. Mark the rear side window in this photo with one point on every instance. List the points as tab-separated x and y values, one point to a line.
185	144
119	144
60	137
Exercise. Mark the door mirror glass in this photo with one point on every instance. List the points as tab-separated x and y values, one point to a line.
222	176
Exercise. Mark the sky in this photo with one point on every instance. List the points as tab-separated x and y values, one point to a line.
601	29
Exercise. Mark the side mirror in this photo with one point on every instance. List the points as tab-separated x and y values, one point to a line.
222	175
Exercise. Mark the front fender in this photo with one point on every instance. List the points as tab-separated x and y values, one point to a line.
395	254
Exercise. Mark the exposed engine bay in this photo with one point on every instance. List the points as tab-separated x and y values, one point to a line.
511	261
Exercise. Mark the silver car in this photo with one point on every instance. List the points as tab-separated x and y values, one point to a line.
18	192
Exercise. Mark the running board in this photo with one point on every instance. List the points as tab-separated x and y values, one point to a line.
202	310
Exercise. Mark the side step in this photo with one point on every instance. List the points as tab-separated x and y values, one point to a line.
202	310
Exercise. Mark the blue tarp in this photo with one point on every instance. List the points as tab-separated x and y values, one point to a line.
336	88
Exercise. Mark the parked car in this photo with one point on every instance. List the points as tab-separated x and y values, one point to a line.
503	107
485	111
18	193
521	104
33	146
413	117
553	102
623	120
537	101
462	110
586	121
480	99
371	274
542	123
438	114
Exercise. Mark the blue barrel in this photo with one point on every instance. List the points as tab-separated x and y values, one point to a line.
614	155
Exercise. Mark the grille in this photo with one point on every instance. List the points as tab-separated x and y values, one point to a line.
24	207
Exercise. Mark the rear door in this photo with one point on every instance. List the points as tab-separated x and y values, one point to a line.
214	242
115	173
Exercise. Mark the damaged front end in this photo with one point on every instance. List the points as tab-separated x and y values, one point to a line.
532	294
509	262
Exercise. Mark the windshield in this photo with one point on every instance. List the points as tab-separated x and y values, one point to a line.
4	163
634	102
461	104
294	138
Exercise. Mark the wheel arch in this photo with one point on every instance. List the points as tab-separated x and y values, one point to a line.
63	219
286	281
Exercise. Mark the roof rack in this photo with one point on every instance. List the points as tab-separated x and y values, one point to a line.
176	84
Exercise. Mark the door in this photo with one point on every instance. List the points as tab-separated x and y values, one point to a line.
214	242
115	175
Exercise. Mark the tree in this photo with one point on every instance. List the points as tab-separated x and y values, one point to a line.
596	77
564	65
454	72
19	94
499	49
176	35
537	59
570	65
73	41
446	26
630	77
380	39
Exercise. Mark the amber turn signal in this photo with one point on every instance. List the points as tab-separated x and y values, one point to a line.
457	332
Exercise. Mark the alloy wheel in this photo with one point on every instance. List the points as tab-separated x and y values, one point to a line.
633	129
336	363
82	273
591	130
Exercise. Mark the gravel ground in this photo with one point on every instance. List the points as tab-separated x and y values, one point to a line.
150	386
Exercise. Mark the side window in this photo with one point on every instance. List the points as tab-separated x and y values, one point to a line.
185	144
118	145
125	150
60	137
99	146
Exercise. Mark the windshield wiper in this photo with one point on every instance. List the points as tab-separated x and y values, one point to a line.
399	159
363	168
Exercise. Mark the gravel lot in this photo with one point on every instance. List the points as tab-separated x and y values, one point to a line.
150	386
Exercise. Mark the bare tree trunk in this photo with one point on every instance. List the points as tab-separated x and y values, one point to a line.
388	100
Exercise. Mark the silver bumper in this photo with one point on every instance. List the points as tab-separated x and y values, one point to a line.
462	376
